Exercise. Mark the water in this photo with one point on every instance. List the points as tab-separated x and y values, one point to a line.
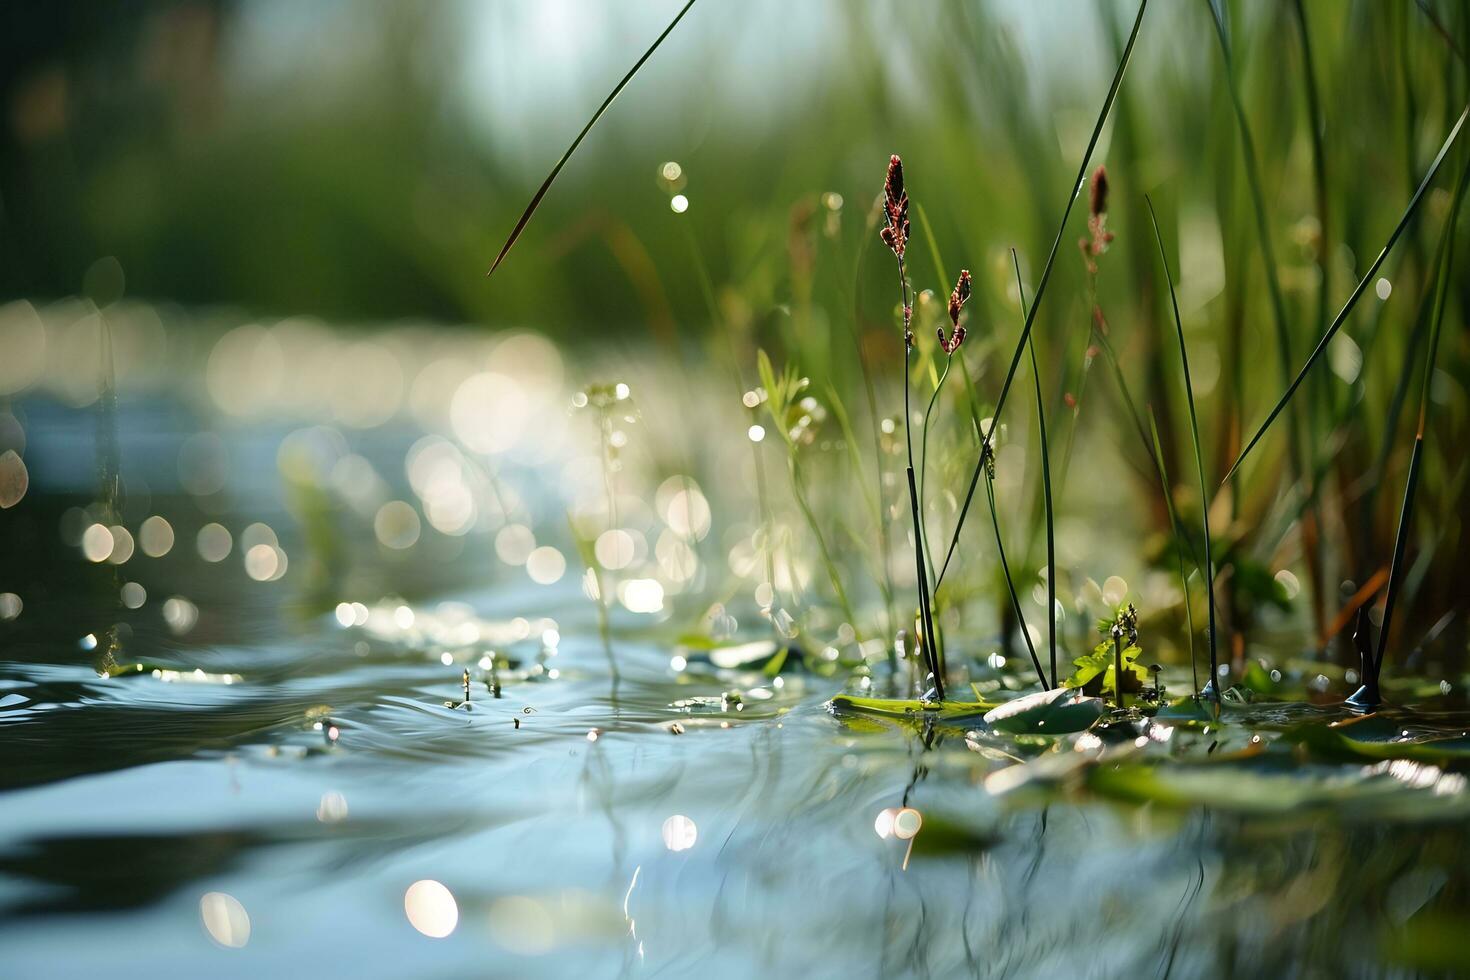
129	800
273	783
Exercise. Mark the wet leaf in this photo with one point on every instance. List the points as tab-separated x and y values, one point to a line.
947	713
1374	738
1055	712
1273	784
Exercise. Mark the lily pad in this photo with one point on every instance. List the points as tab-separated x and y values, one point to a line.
1274	785
944	713
1378	738
1059	711
1188	710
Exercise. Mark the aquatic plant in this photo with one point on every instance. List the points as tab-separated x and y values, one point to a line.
895	234
1113	665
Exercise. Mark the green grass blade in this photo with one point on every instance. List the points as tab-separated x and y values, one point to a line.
1153	429
556	170
1352	301
1005	570
1445	272
1263	228
1427	321
1072	195
1395	573
924	454
1199	464
1051	531
1396	570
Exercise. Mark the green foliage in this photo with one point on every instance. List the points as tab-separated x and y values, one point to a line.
1094	672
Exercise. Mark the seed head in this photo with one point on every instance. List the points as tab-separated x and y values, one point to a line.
959	297
1099	191
895	232
1128	624
1097	221
957	300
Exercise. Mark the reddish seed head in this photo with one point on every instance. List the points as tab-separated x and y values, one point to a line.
957	300
1099	199
895	232
959	296
1097	221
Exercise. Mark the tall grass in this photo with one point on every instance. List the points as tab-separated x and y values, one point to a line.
1352	300
1285	182
1199	463
987	437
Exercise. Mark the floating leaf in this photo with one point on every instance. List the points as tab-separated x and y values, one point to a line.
1272	784
1375	737
945	713
1056	712
1187	710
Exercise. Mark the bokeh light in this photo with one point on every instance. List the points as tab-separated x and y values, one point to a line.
225	919
431	908
679	833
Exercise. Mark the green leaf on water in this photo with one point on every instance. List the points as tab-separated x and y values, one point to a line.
1376	738
774	665
761	655
911	710
1275	785
1187	711
1056	712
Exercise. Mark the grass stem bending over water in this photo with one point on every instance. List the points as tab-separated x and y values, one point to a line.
556	170
1396	569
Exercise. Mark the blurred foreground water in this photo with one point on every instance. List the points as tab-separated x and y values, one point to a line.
319	536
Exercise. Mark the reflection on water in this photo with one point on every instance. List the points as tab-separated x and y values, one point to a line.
335	738
225	919
431	909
